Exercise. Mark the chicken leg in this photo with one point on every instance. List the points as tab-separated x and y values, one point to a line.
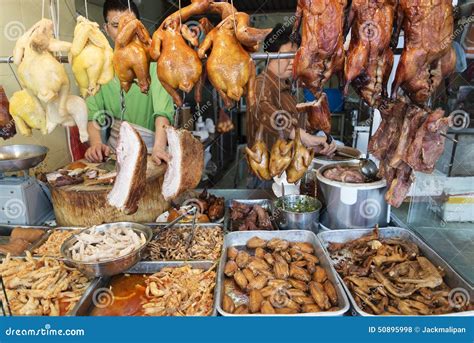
258	158
281	155
302	158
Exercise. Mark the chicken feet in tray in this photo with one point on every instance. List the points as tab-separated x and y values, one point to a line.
258	157
428	56
131	58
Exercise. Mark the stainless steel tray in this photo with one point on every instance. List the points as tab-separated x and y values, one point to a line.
6	230
86	303
157	226
240	239
452	279
265	203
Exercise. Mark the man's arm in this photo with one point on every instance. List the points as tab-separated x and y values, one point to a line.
159	149
97	150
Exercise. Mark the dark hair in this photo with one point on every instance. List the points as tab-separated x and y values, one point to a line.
280	35
119	5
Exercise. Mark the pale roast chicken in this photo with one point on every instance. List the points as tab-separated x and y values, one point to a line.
27	113
427	56
302	158
7	124
318	113
281	155
131	58
229	66
76	115
39	71
90	57
370	59
258	157
321	53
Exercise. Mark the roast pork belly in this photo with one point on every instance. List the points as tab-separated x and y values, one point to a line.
130	182
187	161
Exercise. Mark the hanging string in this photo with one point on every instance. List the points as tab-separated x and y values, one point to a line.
263	84
279	81
179	12
233	15
129	7
42	10
86	9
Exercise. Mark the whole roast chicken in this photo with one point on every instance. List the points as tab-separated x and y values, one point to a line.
321	53
7	124
131	58
281	155
370	59
302	158
90	57
27	113
258	157
229	66
40	73
427	56
318	113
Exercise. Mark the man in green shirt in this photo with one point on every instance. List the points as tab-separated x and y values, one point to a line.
148	113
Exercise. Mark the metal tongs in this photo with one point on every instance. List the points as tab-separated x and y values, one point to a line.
2	306
193	227
193	210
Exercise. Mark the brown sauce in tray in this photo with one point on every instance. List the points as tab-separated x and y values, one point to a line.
128	296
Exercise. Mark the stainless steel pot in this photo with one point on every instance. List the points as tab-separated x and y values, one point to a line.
352	205
321	160
287	220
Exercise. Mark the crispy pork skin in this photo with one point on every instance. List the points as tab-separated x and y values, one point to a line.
129	184
187	161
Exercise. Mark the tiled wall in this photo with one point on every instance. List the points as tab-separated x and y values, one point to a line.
16	16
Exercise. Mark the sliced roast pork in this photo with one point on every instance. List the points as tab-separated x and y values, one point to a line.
129	184
187	161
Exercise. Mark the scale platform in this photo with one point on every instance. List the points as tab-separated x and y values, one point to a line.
23	199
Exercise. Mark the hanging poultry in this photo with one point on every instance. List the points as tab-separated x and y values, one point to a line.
427	56
131	58
39	71
7	124
319	115
248	36
321	53
90	57
27	113
224	123
281	155
205	26
370	59
258	157
302	158
229	66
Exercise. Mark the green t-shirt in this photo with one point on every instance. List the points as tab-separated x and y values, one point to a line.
140	109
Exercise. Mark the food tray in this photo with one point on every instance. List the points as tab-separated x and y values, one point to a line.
239	239
265	203
6	230
156	227
46	236
451	278
85	304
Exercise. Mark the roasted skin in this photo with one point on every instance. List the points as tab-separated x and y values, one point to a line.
370	59
7	125
319	116
131	58
301	160
428	56
321	53
229	66
281	156
258	157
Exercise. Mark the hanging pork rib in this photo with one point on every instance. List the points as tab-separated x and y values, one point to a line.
130	182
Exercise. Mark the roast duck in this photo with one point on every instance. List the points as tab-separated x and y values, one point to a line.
131	58
318	114
90	57
7	125
178	64
370	59
427	56
258	158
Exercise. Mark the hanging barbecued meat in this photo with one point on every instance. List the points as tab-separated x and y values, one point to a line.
321	53
370	59
281	155
258	157
302	158
318	113
7	125
131	55
229	66
178	64
224	123
427	56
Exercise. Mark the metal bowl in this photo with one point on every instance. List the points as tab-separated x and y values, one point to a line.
287	220
108	267
21	157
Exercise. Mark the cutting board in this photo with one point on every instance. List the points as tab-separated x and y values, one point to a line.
86	205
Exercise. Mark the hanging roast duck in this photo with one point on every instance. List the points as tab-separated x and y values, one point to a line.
302	158
258	158
131	55
281	155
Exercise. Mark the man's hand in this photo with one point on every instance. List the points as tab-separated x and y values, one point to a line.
159	154
318	143
97	152
329	149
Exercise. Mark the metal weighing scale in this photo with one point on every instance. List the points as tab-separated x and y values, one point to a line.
23	199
